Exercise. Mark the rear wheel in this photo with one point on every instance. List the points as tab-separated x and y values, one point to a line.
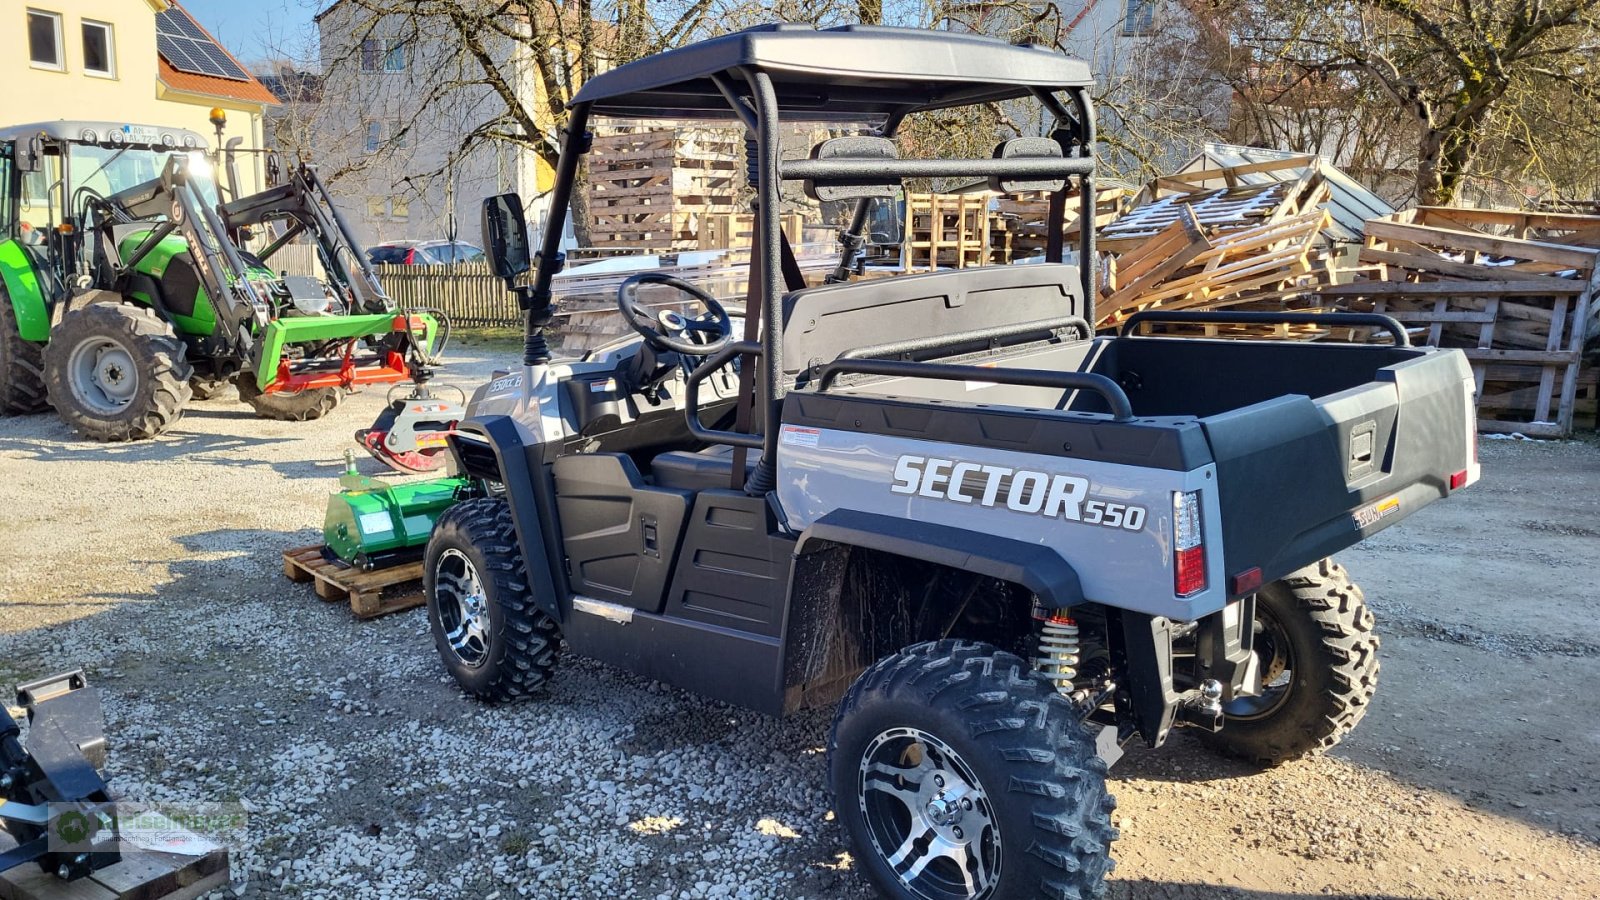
22	387
288	406
1318	653
493	638
116	372
957	773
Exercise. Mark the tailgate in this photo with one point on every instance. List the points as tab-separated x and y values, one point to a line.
1300	479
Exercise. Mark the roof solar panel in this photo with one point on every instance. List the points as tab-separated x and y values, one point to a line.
185	45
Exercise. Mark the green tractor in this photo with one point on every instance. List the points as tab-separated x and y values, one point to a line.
125	288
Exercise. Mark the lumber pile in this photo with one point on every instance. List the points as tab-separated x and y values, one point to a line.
1191	247
1513	290
651	188
1019	221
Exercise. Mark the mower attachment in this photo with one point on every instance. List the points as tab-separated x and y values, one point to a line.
388	364
409	435
52	801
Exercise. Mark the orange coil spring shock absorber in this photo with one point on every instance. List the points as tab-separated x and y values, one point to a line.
1058	654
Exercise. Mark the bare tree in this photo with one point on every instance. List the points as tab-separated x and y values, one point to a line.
1470	78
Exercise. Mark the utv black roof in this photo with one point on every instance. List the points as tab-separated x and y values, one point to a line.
94	132
852	72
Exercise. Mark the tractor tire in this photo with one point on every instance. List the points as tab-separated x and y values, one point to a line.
957	772
22	389
116	372
492	636
1319	669
288	406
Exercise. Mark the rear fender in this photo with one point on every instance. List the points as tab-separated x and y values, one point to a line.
528	490
26	291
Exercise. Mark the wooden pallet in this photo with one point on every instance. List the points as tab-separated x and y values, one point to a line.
368	592
142	875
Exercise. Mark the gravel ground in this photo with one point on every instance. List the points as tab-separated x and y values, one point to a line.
366	774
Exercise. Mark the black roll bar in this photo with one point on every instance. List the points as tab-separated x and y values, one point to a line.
691	397
1226	317
993	333
1109	390
845	170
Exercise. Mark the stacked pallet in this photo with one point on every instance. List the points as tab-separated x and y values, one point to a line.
945	231
651	188
1187	246
1515	291
1020	221
734	231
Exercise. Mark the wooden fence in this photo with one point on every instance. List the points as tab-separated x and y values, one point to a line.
468	293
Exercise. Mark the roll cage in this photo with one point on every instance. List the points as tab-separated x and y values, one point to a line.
764	76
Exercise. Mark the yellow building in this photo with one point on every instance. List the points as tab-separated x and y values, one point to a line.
145	62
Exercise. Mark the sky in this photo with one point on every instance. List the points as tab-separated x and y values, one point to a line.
254	30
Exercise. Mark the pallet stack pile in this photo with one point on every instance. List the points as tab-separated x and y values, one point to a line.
1021	220
1187	247
652	188
1514	290
946	231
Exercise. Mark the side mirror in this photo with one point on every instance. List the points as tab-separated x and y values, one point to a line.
505	231
886	221
31	159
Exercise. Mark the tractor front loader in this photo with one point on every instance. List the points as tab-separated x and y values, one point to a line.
125	288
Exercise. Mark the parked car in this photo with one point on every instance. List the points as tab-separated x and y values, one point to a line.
423	253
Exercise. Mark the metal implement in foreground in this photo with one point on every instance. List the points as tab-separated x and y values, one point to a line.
1000	547
53	802
126	291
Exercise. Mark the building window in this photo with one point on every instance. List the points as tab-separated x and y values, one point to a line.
374	136
395	56
99	49
44	40
375	207
399	135
399	209
371	55
1138	17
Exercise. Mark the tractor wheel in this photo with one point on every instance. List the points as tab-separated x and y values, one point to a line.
958	773
288	406
116	372
21	366
1318	654
492	636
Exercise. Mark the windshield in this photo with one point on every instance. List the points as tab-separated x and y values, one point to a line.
107	170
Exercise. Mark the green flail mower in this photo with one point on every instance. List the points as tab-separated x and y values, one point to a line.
375	524
125	290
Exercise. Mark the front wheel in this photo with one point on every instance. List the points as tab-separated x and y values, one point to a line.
1318	655
957	773
491	634
287	406
116	372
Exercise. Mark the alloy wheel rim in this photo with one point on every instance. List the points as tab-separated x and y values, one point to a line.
928	817
463	607
102	374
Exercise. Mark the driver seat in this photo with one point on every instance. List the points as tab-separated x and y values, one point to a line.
708	469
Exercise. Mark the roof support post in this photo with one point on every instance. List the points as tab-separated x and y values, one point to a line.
768	244
574	144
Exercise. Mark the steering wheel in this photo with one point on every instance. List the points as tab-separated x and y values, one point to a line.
666	329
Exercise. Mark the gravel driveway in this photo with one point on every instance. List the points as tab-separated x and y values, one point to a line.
155	566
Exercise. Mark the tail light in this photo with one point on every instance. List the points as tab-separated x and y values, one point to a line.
1188	545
